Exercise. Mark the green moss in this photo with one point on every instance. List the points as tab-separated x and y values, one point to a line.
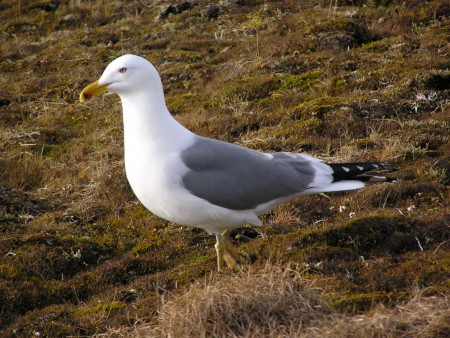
318	107
365	302
254	21
147	245
7	271
438	36
110	309
301	82
201	259
298	128
184	103
376	46
248	89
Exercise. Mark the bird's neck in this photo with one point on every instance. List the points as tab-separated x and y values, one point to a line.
149	125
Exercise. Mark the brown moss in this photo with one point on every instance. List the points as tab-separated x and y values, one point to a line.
375	235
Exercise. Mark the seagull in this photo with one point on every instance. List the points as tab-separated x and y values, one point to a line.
201	182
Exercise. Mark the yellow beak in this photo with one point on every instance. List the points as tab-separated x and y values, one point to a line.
92	90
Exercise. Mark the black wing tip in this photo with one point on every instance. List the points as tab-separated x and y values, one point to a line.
354	171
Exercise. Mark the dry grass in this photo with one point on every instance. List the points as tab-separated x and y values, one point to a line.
419	317
273	302
281	302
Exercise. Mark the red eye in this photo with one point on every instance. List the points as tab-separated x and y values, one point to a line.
122	70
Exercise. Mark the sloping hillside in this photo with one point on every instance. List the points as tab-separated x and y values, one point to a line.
339	80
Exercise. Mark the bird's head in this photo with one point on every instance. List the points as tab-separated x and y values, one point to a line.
126	74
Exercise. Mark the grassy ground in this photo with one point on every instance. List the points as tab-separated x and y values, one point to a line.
340	80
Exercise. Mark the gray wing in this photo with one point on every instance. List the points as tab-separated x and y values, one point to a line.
239	178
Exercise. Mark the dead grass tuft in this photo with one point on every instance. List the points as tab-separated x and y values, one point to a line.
273	302
420	317
277	302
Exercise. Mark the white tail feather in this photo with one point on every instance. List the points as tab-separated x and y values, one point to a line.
337	186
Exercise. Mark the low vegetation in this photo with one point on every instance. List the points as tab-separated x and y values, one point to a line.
339	80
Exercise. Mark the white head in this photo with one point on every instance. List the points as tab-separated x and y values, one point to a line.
127	75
